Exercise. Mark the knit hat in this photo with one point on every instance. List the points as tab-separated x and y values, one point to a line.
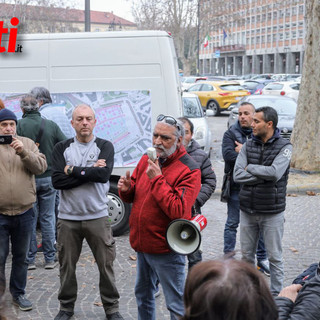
6	114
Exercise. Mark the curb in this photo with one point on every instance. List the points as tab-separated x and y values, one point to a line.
301	189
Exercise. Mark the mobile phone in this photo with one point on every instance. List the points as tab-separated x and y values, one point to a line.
7	139
152	154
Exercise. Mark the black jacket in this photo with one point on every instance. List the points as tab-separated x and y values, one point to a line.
208	177
235	133
307	304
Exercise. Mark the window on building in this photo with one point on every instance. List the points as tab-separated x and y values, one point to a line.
253	18
269	29
294	34
301	11
300	33
269	38
281	36
269	15
287	35
258	18
294	10
263	39
258	39
263	17
275	14
252	40
300	23
288	12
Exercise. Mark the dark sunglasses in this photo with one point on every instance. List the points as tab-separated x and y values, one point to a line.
169	120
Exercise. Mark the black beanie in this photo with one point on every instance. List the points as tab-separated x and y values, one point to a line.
6	114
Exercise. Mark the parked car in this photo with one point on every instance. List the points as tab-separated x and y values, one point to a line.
218	96
267	76
285	88
192	109
255	86
187	82
286	108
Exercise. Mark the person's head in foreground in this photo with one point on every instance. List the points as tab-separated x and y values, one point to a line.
227	290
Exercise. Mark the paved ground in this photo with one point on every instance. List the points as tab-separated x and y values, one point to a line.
300	244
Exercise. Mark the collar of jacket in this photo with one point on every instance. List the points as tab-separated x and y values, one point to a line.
176	155
32	113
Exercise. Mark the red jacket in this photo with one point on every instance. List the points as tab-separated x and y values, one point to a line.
158	201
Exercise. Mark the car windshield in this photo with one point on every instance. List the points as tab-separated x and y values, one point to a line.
231	87
274	86
191	107
250	84
283	106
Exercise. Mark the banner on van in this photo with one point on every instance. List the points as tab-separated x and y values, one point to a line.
123	117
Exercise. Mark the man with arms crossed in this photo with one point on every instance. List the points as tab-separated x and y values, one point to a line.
161	191
262	169
81	170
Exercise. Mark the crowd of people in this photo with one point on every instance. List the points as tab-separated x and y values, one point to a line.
45	156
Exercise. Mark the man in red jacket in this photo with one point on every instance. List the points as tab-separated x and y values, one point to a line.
160	191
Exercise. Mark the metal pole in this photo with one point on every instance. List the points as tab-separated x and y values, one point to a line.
198	38
87	25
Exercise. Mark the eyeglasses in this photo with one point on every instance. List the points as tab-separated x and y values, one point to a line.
169	120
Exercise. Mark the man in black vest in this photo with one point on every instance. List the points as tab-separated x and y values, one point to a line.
232	142
262	169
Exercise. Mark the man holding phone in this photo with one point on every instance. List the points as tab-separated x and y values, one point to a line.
20	161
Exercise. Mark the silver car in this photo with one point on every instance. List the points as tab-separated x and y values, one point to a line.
286	108
192	109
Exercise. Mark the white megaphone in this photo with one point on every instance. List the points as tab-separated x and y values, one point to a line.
183	236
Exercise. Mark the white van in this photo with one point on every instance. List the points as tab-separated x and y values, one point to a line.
127	77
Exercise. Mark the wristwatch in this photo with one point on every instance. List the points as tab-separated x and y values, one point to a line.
69	170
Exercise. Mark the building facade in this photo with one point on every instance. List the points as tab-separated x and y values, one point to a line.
253	36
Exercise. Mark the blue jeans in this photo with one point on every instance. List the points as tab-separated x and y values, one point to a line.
169	269
44	208
18	229
231	226
271	226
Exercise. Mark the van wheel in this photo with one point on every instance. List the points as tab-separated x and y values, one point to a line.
119	211
213	105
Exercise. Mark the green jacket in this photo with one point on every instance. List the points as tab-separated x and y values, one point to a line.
29	126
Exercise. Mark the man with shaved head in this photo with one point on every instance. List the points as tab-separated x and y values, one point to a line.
81	171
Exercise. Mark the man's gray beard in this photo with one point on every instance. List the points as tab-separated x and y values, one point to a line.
166	152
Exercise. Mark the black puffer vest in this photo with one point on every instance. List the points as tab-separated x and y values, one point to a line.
268	197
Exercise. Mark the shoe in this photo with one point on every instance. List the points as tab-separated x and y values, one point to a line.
157	293
63	315
263	266
32	266
22	302
114	316
50	265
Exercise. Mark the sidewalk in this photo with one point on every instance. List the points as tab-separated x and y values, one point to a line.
299	182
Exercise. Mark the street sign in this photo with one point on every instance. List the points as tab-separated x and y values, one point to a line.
217	54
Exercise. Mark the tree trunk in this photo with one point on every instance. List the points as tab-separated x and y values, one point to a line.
306	132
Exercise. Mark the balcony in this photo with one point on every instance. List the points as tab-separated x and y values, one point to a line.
230	48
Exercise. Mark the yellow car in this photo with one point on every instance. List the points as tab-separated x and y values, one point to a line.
218	96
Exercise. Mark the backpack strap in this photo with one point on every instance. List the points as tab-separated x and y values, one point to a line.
39	136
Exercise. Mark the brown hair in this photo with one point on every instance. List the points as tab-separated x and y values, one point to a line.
227	290
2	106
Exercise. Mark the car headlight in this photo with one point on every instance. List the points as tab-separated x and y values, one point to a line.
199	134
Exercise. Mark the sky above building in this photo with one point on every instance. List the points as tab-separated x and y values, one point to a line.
121	8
